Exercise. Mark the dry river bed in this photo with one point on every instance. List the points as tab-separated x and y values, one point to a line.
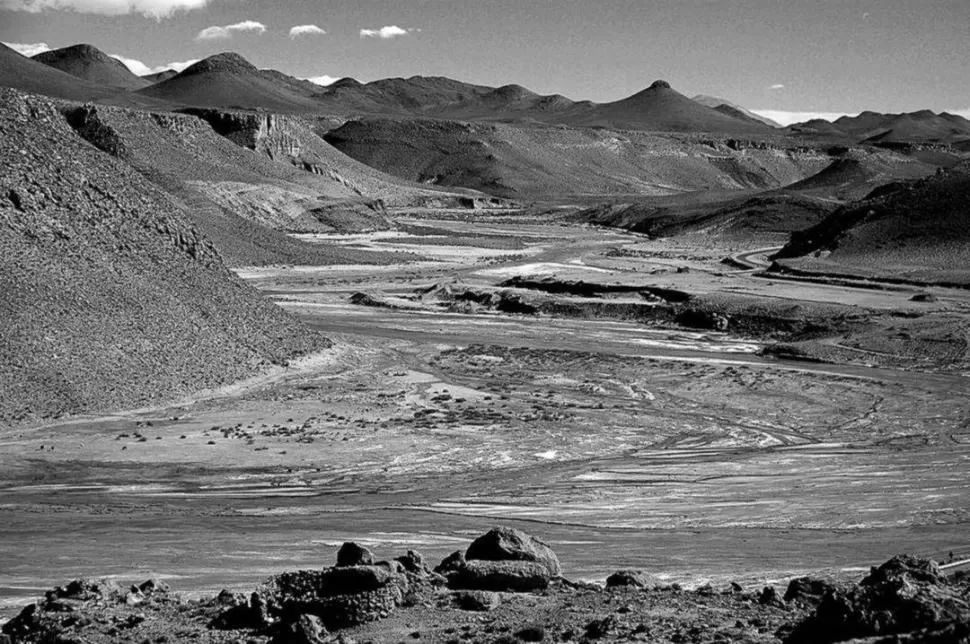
623	445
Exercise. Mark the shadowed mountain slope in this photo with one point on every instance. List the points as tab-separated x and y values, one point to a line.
91	64
915	230
109	298
856	173
540	160
915	127
766	217
20	72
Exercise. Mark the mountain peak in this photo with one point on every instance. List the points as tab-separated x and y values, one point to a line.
660	84
81	51
228	61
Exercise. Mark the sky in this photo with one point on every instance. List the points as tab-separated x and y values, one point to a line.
790	59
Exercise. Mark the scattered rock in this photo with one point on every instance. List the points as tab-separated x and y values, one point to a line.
307	629
808	590
476	600
905	597
769	597
634	578
412	562
601	627
451	563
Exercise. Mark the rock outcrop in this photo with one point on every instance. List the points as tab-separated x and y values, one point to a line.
905	599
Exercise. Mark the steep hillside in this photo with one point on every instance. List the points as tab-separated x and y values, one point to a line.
228	80
91	64
109	298
247	178
728	107
20	72
915	230
534	161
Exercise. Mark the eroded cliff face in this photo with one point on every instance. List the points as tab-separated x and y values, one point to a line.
278	137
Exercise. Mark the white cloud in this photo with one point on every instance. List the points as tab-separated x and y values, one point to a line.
141	69
323	80
221	33
153	8
387	32
306	30
136	67
28	49
787	118
778	86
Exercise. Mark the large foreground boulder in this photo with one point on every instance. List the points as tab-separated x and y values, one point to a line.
503	560
509	544
904	600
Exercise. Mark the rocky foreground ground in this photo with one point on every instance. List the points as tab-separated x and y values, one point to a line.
506	587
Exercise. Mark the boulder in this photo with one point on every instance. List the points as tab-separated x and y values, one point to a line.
307	629
769	597
501	576
808	590
509	544
633	578
451	563
476	600
354	554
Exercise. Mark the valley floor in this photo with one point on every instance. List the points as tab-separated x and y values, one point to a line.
624	440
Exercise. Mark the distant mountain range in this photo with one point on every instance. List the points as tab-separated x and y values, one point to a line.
228	81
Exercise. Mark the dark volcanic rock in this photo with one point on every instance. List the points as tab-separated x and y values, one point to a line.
808	590
905	597
412	562
354	554
509	544
451	563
